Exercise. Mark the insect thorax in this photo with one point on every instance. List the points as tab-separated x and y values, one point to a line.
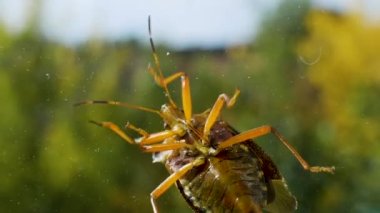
190	133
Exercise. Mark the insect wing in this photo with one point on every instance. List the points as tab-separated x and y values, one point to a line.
283	201
280	198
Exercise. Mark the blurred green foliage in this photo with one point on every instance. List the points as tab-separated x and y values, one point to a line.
315	76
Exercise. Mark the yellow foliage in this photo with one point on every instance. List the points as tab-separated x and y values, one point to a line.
347	72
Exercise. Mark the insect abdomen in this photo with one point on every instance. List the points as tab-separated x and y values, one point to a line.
229	182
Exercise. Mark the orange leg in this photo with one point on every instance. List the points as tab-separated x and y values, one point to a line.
163	82
264	130
142	132
186	95
164	147
157	137
145	140
169	181
150	138
116	129
216	109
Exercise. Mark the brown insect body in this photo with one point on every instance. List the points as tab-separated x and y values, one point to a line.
240	178
216	168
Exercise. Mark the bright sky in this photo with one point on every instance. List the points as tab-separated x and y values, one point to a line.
179	23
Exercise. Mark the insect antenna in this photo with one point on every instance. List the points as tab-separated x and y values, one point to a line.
117	103
157	72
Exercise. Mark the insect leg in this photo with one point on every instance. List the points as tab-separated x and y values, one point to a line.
216	109
163	82
164	147
264	130
150	138
157	137
142	132
116	129
146	139
186	95
118	103
169	181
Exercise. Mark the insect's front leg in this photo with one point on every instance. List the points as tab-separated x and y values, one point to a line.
163	82
146	138
169	181
222	100
116	129
185	87
169	144
152	138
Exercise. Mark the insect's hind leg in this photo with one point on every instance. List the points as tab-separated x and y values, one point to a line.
264	130
169	181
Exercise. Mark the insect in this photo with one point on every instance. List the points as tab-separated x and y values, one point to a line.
216	168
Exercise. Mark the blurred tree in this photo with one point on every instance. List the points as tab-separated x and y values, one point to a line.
345	68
